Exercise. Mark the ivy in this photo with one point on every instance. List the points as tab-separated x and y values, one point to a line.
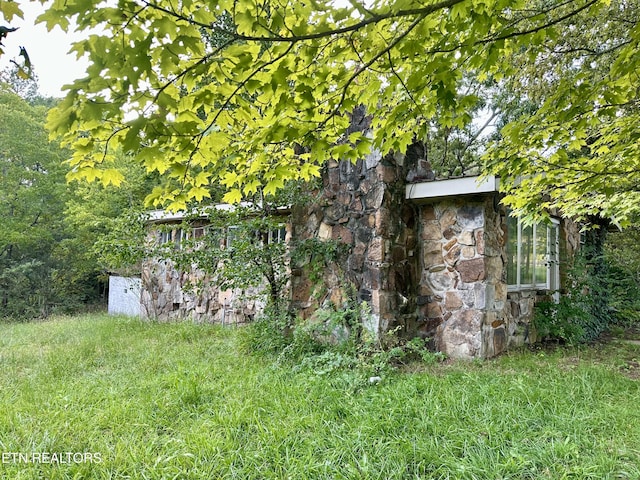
584	310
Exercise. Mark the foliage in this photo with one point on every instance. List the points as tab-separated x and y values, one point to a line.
26	88
314	255
577	146
119	243
108	224
565	320
623	259
8	11
334	341
32	196
48	261
584	310
255	94
177	400
603	288
268	336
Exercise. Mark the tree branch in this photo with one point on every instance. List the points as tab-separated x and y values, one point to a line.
375	18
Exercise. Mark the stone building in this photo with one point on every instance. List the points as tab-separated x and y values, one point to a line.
168	293
440	259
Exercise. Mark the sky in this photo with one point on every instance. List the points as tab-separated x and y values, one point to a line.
47	51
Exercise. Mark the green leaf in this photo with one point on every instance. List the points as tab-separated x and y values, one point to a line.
10	9
111	176
233	196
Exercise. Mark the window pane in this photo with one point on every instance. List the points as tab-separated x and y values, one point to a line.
165	237
512	251
178	237
526	255
198	232
541	254
278	235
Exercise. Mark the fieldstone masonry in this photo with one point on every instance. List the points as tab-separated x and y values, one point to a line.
433	267
166	296
463	290
362	205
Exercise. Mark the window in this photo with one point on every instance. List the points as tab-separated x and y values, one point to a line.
179	236
198	232
164	237
278	235
532	255
172	236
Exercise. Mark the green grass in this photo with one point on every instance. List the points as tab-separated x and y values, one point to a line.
164	401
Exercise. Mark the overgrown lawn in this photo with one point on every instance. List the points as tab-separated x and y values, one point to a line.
161	401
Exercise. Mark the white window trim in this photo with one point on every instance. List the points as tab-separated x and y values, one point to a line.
175	236
278	235
553	271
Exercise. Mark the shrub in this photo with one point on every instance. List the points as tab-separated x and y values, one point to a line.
333	341
564	321
622	252
583	311
268	335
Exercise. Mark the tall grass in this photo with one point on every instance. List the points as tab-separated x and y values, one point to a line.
164	401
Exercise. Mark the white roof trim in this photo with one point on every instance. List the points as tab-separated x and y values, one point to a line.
451	187
165	216
156	216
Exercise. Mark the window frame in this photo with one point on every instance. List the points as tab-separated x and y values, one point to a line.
551	261
278	234
174	236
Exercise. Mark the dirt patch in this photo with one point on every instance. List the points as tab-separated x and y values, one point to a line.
631	369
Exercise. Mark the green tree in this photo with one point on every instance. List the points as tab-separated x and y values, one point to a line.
289	73
576	145
26	88
623	256
32	196
58	238
104	225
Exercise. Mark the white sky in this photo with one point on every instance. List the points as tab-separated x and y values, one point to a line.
47	51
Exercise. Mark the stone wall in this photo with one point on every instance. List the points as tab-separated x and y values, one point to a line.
362	206
464	304
461	274
169	294
434	269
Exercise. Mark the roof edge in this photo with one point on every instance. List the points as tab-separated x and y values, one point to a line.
452	187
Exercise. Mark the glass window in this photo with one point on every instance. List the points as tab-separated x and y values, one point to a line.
532	255
512	251
199	232
526	254
175	236
178	237
164	237
278	235
541	255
